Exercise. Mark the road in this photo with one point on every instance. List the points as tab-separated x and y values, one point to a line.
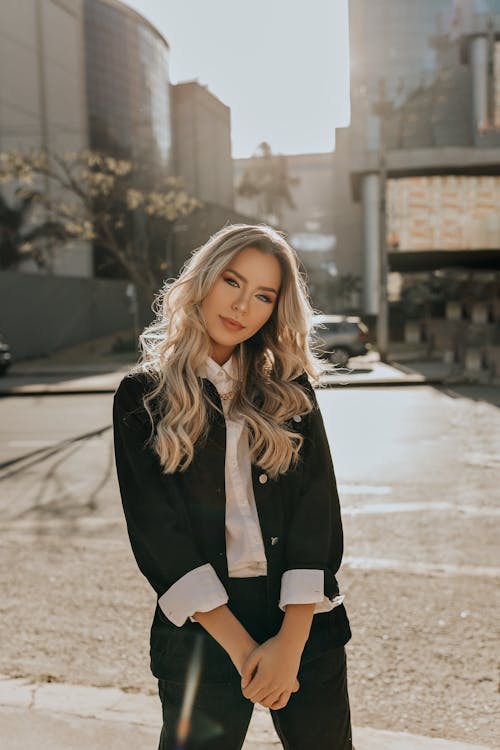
418	475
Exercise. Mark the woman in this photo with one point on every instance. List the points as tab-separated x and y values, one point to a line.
231	502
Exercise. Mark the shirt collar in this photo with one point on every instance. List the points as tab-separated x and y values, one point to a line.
217	374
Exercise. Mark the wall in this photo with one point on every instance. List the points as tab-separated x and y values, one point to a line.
42	92
202	138
40	314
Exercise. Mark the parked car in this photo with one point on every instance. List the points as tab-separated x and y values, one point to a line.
5	356
339	337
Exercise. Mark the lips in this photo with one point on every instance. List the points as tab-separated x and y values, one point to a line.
232	324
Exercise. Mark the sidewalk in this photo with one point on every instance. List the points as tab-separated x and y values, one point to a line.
55	716
53	377
97	366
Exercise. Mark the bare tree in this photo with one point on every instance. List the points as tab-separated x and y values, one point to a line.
97	198
23	231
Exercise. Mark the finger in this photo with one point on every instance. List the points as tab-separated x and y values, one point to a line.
282	701
249	668
249	672
253	687
296	686
246	681
271	698
260	693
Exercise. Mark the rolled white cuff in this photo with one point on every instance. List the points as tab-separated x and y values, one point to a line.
200	590
304	586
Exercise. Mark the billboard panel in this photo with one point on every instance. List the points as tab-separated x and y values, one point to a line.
496	85
449	212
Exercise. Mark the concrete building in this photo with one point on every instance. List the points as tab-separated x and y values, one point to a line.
307	219
78	74
202	138
43	104
202	157
84	73
390	42
430	144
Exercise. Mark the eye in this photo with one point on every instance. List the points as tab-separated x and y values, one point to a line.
263	297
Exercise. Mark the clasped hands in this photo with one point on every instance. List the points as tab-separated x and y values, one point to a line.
269	673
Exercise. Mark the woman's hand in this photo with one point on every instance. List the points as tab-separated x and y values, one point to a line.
245	647
269	674
228	631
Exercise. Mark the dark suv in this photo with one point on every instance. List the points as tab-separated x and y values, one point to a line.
340	337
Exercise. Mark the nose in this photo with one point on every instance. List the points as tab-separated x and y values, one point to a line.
241	302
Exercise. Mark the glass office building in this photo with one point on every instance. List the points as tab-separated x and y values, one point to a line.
390	46
128	100
128	89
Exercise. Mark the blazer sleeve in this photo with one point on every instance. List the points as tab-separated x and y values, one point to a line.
159	535
315	537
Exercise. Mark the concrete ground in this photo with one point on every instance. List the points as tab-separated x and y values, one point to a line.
57	715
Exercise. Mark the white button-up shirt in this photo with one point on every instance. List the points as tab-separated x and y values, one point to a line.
201	590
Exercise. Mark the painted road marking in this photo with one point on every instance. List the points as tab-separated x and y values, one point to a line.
406	566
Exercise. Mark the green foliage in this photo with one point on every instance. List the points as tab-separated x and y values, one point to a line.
344	286
266	178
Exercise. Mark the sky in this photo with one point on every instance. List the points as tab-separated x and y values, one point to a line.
280	65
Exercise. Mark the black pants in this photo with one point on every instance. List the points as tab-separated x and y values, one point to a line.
316	717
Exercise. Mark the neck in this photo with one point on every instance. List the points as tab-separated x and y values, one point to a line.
221	354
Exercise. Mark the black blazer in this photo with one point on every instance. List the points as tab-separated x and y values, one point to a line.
176	522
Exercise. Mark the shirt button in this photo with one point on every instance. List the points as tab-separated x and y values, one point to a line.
297	418
263	478
235	463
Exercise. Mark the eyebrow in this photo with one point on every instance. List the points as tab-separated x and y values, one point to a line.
266	288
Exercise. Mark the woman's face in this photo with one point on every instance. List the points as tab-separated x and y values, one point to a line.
246	292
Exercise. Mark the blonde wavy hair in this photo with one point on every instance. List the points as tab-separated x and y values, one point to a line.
176	344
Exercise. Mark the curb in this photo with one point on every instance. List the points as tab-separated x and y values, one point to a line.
21	391
65	390
399	366
91	716
92	382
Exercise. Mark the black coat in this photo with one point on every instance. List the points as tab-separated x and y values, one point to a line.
176	522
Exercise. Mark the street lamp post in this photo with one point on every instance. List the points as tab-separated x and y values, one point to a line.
131	292
381	108
383	311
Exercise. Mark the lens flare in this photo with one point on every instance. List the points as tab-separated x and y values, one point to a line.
192	682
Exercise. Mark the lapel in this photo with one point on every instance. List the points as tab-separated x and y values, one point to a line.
266	495
214	455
